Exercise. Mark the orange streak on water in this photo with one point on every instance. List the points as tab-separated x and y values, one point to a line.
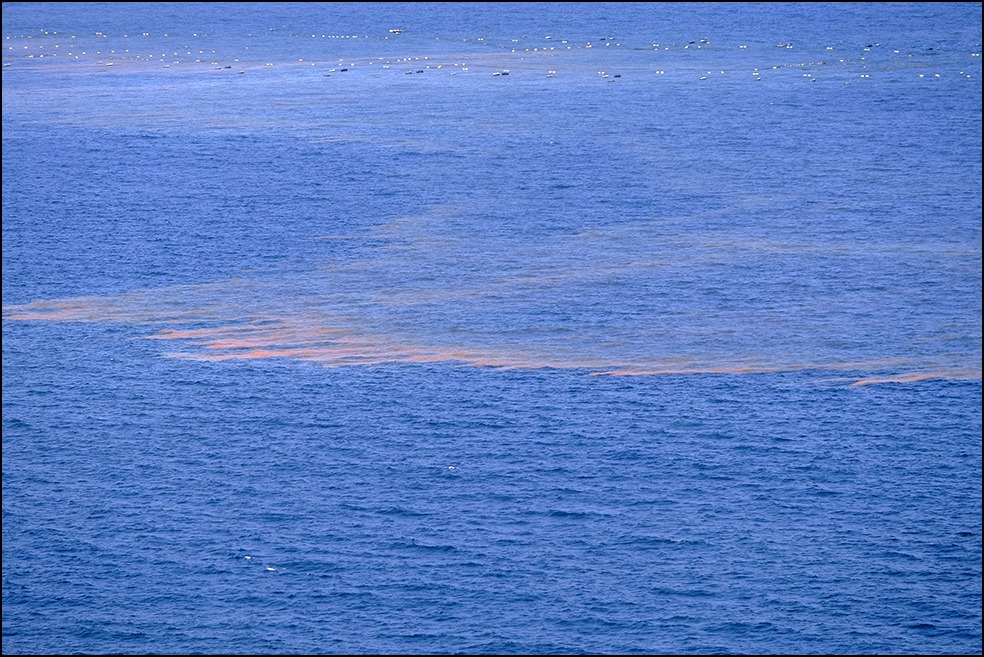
968	373
340	351
67	310
700	370
316	337
192	334
911	377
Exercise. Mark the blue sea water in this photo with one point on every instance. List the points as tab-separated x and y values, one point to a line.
492	328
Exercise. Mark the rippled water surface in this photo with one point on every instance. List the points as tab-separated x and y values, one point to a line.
492	328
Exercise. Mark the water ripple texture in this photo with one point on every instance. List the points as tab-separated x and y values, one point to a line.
491	328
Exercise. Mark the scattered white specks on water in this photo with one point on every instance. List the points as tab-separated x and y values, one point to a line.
709	349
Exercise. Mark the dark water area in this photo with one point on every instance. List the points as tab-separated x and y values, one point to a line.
521	328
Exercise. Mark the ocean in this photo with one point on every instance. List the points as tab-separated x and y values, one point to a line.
492	328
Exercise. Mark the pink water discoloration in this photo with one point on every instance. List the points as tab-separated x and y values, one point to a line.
965	374
276	329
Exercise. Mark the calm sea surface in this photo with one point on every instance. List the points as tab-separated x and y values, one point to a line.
492	328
